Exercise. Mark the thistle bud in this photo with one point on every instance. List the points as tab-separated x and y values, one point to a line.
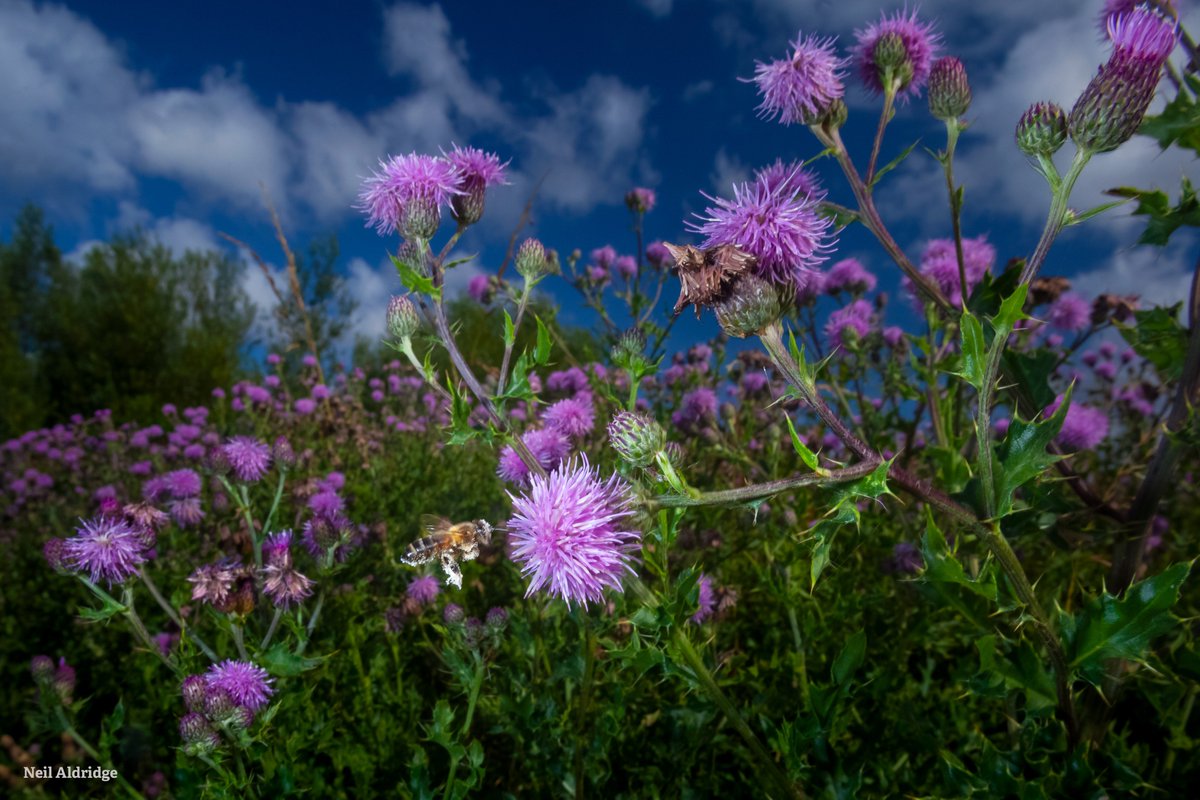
54	551
892	61
636	437
628	353
413	255
1112	107
63	681
835	116
467	208
283	453
949	91
1042	129
198	736
751	305
402	319
420	219
453	614
195	692
531	260
42	668
496	620
219	705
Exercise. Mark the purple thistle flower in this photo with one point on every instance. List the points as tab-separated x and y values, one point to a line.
919	43
657	254
696	406
480	288
572	381
802	87
247	684
1117	8
939	261
604	257
849	275
855	318
893	335
573	417
626	266
105	547
906	559
1070	312
326	504
407	194
186	512
305	406
548	445
781	230
567	535
423	590
452	614
476	170
706	600
248	458
791	177
55	553
1083	427
641	200
1141	34
754	382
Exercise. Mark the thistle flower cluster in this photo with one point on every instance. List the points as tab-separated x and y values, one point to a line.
224	699
406	195
57	682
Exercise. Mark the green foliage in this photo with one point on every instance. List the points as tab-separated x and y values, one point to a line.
1022	456
1179	122
1165	218
1111	627
1157	336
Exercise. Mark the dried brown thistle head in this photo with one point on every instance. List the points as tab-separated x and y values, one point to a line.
1048	289
706	275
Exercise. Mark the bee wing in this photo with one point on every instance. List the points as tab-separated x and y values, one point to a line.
432	523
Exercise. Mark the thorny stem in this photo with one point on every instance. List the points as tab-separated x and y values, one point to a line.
86	747
992	537
952	131
468	377
139	628
869	216
508	346
770	770
885	116
275	501
757	490
312	623
174	615
271	629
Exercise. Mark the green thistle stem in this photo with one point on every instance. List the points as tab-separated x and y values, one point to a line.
86	747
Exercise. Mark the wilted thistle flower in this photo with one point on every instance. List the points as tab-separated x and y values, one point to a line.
636	437
247	457
186	512
281	582
105	547
407	194
751	305
949	90
402	318
802	87
706	275
1042	129
476	170
640	200
896	53
1112	107
567	533
781	230
531	260
212	583
249	685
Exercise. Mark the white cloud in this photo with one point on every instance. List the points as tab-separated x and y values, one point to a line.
178	234
727	170
1159	276
657	8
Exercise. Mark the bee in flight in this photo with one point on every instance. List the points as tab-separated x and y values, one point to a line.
450	542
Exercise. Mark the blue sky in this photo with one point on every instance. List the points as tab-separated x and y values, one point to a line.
169	116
